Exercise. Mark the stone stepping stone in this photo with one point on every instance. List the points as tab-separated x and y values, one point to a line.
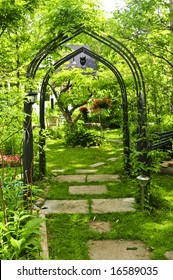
71	178
118	250
102	177
115	140
100	226
97	164
66	206
169	255
112	159
58	171
91	189
113	205
85	171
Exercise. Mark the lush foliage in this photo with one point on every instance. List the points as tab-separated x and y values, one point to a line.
145	27
103	103
19	237
80	135
20	227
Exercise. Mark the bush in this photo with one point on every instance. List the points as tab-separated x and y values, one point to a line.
54	133
80	135
154	199
20	237
13	145
20	232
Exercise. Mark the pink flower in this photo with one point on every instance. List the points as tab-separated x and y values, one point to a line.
10	158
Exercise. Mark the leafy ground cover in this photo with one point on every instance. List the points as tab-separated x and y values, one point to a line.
68	234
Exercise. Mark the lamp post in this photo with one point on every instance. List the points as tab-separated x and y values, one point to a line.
28	138
143	182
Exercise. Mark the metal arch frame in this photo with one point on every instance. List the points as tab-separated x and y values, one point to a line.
126	133
131	61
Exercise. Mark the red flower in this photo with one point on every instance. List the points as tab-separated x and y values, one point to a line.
103	103
83	109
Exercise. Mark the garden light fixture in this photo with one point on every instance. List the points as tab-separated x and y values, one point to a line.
32	97
143	182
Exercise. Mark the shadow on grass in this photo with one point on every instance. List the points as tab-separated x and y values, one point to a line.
68	234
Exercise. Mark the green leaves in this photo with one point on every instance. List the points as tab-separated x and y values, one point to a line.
59	16
12	12
16	243
21	237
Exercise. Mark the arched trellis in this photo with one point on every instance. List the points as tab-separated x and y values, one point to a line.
129	58
126	134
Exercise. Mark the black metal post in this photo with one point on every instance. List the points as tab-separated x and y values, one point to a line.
142	141
42	139
28	145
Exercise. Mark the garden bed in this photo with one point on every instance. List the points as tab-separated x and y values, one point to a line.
10	160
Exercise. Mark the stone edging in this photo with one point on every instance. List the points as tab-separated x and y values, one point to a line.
44	243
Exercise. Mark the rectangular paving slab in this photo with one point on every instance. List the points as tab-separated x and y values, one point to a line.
118	250
90	189
102	177
66	206
97	164
85	171
113	205
112	159
71	178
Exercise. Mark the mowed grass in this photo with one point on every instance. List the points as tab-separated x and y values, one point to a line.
70	159
68	233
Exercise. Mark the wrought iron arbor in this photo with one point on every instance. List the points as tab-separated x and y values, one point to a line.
130	60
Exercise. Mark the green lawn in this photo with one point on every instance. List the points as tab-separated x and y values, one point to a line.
68	234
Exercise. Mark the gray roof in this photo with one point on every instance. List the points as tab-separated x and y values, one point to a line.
90	62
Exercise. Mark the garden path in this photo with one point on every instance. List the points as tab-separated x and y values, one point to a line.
98	249
90	205
102	249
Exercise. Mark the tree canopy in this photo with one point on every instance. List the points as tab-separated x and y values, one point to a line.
145	27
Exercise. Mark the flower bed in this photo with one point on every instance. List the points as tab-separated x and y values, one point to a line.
10	160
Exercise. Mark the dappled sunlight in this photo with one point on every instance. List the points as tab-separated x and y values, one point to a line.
60	150
80	165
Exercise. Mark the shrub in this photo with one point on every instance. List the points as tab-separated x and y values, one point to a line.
20	237
153	199
54	133
80	135
156	199
12	146
20	234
